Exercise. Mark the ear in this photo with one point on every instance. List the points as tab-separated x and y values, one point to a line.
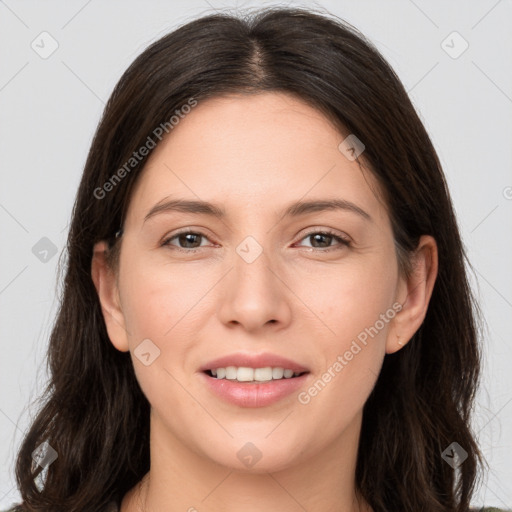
414	295
108	293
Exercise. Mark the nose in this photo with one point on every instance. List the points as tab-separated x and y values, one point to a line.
253	294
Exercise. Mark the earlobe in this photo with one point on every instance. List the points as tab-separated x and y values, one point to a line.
105	282
414	295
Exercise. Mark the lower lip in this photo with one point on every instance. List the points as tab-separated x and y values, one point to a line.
251	394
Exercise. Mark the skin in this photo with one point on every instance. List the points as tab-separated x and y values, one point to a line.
254	155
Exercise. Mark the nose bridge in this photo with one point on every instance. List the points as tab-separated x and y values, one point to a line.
253	294
253	276
252	264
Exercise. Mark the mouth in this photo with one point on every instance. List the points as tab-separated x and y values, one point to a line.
250	388
247	379
244	374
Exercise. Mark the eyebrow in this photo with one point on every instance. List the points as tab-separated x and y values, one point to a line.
295	209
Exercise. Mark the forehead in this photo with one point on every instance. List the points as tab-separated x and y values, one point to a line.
253	153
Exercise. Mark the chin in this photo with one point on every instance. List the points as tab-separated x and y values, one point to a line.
255	458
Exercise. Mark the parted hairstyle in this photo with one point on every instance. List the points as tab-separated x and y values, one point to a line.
93	412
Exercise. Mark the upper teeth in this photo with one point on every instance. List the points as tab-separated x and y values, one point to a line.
245	374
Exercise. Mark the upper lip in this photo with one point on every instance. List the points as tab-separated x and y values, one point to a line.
254	361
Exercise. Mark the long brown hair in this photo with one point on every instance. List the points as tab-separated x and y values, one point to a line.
95	415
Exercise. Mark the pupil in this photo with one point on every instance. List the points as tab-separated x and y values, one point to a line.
318	235
184	238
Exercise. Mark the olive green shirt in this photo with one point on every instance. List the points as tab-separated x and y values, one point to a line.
113	506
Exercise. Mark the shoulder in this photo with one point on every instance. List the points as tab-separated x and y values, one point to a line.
489	509
113	506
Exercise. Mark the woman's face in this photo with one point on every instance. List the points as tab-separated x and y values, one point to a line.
258	280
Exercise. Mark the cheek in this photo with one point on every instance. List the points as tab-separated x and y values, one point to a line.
168	303
349	297
158	305
353	308
159	299
352	348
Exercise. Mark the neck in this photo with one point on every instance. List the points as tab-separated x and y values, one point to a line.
183	480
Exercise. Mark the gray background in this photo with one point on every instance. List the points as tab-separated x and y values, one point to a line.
49	108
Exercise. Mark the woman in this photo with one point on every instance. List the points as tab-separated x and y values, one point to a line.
265	303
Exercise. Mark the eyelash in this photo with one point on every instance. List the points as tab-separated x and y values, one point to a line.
343	242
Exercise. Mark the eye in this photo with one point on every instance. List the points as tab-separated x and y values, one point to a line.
188	241
188	238
324	238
